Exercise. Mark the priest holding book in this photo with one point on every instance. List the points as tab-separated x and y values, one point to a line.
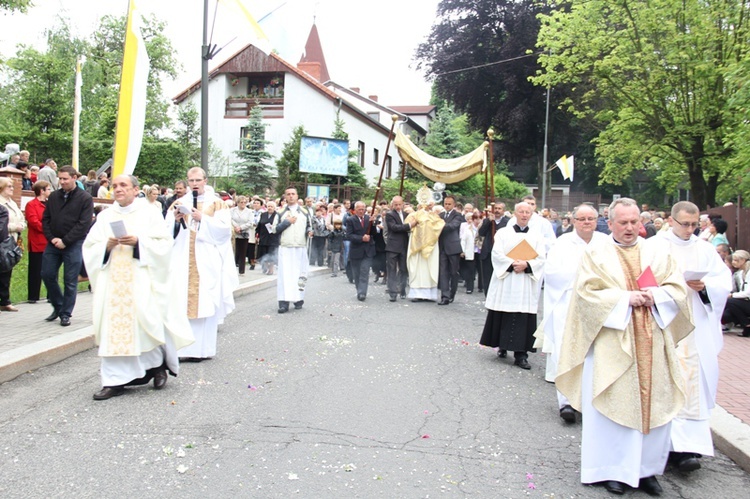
513	293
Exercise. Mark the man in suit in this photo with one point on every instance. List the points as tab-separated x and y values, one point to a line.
450	251
494	221
361	249
395	248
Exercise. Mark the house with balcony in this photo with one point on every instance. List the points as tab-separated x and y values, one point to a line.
304	94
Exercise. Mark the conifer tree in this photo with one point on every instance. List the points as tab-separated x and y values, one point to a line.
251	167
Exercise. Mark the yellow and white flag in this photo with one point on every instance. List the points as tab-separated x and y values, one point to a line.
565	165
258	37
131	109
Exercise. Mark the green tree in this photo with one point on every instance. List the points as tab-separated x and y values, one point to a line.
19	5
442	140
652	76
188	134
103	68
251	166
288	164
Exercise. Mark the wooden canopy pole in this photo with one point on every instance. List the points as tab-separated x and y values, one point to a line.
394	118
491	135
403	174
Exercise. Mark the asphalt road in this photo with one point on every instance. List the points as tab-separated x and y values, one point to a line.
340	399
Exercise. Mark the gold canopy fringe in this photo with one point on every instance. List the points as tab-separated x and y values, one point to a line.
447	171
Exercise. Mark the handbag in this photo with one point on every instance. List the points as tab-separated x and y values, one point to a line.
10	254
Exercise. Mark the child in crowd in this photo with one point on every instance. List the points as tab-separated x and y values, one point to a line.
336	244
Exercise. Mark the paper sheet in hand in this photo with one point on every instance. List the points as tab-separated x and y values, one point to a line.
647	279
184	209
118	228
270	229
694	275
522	251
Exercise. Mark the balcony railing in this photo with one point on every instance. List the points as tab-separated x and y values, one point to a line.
240	107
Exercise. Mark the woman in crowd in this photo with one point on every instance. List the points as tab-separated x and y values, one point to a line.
468	234
37	240
16	225
718	228
737	309
103	189
152	193
242	221
268	243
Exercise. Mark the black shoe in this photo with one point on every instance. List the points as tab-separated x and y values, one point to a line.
361	297
650	486
403	295
687	462
65	321
298	304
31	302
191	359
746	332
283	307
54	315
502	353
160	378
568	414
469	291
444	301
393	297
522	363
252	267
617	488
450	300
108	392
376	279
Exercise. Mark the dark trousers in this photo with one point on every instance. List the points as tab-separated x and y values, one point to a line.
240	252
361	273
467	270
71	259
5	287
397	274
34	275
486	274
448	275
251	252
737	311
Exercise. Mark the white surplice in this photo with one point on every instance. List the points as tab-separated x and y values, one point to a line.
699	352
215	265
138	322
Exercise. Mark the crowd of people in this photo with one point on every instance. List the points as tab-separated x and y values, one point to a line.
635	301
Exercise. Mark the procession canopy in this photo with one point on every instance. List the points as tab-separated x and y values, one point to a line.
447	171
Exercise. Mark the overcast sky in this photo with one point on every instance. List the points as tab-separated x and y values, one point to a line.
367	44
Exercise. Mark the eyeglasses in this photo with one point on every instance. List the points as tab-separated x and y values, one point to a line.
687	225
585	219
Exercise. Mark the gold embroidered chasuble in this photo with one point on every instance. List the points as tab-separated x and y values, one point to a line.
194	280
636	377
133	298
424	235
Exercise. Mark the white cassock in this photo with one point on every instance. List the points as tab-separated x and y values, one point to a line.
293	256
203	266
138	323
699	352
560	270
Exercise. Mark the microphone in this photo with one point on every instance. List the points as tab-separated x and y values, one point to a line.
195	199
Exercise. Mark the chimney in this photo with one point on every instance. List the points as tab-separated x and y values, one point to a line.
311	68
354	89
373	98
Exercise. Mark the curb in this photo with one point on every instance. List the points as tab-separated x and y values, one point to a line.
18	361
731	436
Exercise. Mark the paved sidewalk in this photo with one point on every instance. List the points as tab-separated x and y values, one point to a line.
28	342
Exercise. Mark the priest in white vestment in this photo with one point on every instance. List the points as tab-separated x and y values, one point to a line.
294	224
203	263
618	362
560	270
423	253
138	323
513	294
709	284
538	223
